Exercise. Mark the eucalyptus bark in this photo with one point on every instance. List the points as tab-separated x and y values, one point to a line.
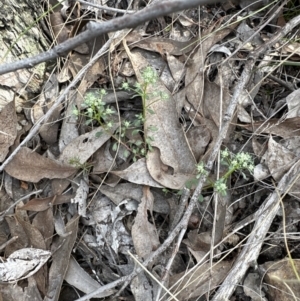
20	37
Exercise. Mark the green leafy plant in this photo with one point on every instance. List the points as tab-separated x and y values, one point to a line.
142	89
239	162
95	110
149	77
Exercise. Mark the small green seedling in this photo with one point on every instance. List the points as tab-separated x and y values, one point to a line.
140	148
149	77
240	162
95	110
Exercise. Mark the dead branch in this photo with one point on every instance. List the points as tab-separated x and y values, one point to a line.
36	127
268	210
264	218
95	29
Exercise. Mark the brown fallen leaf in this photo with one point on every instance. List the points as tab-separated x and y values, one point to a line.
60	259
198	138
211	101
49	130
284	128
279	159
194	80
37	241
58	25
172	157
161	45
22	264
29	166
79	278
195	282
43	221
84	146
282	282
43	204
8	128
163	174
137	173
144	234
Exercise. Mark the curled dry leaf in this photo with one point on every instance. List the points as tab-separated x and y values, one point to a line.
141	288
49	130
211	101
69	129
60	258
81	195
8	128
292	101
138	173
125	191
29	166
279	159
23	263
198	138
144	234
103	161
253	287
43	204
172	162
109	225
286	128
77	277
161	45
194	80
86	145
60	32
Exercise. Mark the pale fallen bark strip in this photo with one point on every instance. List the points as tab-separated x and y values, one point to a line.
95	29
264	218
267	211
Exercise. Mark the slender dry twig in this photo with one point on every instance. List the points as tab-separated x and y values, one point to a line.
94	29
36	127
264	217
267	211
183	201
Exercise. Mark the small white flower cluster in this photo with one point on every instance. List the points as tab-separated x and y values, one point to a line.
220	186
149	75
200	170
238	161
235	162
95	109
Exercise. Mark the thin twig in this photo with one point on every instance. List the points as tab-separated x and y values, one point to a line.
36	127
183	201
249	255
25	197
95	29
